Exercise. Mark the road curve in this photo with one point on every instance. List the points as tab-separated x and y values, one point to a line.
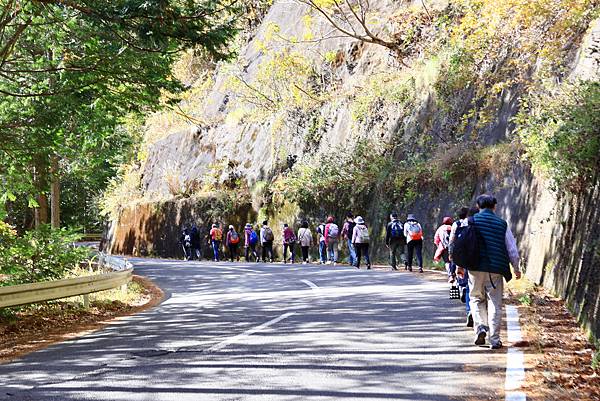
235	331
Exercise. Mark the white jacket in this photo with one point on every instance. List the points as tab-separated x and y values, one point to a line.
304	237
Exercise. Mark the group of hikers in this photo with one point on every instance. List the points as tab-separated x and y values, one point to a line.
476	250
354	234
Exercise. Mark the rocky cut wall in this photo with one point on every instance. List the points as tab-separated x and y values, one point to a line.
558	235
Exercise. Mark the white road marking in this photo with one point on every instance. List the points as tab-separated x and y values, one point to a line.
515	358
310	284
239	269
248	333
512	322
516	396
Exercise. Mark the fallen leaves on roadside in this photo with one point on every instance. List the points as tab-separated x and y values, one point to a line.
35	328
559	354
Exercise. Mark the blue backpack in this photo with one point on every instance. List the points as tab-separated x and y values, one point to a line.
397	229
253	238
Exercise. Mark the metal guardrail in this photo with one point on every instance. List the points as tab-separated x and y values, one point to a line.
23	294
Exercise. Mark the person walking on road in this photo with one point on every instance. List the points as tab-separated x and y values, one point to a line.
360	239
347	232
332	234
395	240
305	240
266	242
232	241
250	241
322	244
498	249
216	236
461	272
196	242
414	242
289	242
442	239
185	239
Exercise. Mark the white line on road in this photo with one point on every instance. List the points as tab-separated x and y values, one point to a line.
512	323
242	269
310	284
248	333
515	359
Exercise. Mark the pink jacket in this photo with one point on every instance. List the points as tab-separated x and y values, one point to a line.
437	239
288	235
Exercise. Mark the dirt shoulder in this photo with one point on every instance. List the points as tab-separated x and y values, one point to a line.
32	329
559	356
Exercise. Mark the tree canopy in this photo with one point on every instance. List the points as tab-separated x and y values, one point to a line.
71	71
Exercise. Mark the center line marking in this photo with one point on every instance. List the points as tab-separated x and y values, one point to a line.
248	333
310	284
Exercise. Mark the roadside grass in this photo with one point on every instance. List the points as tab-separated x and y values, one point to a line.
128	295
27	328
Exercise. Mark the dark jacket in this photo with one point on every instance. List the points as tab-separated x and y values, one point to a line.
388	233
195	234
493	254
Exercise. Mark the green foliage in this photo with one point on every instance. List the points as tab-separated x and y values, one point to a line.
71	71
284	81
384	89
561	134
526	300
344	180
456	74
121	191
493	47
40	255
596	358
351	178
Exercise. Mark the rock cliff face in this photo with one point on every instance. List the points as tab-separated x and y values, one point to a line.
558	233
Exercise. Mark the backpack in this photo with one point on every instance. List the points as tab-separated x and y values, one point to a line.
363	234
351	226
414	231
253	238
234	238
445	238
218	234
465	248
397	231
268	235
302	237
333	231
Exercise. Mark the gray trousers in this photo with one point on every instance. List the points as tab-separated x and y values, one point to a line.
486	302
397	253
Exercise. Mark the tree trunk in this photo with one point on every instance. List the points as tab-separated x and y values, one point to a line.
41	212
54	193
40	182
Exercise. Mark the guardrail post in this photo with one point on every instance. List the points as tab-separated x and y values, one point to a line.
86	301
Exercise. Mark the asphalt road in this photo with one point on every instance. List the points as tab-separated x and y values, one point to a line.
271	332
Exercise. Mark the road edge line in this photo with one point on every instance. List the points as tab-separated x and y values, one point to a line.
515	358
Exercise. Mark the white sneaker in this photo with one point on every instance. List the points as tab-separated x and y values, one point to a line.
328	262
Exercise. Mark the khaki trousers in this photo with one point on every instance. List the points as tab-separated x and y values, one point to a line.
485	291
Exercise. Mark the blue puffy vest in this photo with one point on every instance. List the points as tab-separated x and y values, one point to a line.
492	251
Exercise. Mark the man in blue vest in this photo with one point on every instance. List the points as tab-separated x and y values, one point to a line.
497	249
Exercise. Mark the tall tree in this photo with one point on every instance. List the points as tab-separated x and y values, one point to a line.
71	70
